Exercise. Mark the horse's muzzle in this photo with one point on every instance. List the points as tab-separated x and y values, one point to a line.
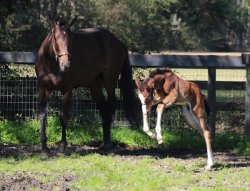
64	67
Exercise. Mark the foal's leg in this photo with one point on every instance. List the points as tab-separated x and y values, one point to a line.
145	122
192	120
43	100
64	117
199	124
159	110
208	138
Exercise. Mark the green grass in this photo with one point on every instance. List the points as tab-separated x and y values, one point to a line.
27	132
105	172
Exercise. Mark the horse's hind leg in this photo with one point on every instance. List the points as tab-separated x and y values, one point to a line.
43	100
64	117
105	111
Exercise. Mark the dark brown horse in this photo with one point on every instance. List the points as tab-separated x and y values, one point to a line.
91	58
163	88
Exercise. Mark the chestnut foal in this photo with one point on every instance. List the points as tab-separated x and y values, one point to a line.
163	88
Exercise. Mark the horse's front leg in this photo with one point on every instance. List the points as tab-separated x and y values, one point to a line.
159	110
43	100
145	122
64	117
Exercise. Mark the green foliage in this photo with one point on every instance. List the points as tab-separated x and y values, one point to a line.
143	25
20	27
213	23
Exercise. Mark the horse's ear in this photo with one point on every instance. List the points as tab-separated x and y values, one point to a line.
52	24
138	82
51	20
73	21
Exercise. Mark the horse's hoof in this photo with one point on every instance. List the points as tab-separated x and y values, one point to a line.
45	153
107	146
160	141
46	150
63	147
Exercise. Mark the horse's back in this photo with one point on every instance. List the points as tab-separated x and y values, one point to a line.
91	38
95	51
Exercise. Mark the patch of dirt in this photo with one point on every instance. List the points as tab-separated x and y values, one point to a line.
27	181
21	181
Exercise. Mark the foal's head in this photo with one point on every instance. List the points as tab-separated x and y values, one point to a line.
145	90
61	42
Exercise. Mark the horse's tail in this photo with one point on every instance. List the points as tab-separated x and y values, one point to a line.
128	95
206	105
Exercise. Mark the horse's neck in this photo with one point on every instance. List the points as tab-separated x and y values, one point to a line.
50	63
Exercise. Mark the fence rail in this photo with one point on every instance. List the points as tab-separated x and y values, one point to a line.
210	61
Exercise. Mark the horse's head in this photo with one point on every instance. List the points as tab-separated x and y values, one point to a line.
61	43
145	92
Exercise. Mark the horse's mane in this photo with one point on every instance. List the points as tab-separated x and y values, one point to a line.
159	71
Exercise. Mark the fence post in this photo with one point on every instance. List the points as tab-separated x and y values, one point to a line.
212	98
246	61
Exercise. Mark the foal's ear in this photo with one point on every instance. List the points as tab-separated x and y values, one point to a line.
138	82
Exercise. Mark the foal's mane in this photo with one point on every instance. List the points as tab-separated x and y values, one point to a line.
160	71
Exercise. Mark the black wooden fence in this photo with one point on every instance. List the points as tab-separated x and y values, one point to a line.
210	61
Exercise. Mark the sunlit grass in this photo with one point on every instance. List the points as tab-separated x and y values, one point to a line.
27	132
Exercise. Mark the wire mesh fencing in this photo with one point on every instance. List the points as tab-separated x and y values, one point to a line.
19	100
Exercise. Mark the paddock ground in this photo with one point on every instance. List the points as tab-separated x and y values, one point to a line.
87	168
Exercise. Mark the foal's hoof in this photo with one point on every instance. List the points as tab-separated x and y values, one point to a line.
150	134
208	168
160	141
107	146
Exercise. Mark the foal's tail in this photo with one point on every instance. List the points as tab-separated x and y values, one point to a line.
128	95
206	105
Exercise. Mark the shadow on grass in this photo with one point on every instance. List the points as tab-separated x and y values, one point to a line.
22	152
